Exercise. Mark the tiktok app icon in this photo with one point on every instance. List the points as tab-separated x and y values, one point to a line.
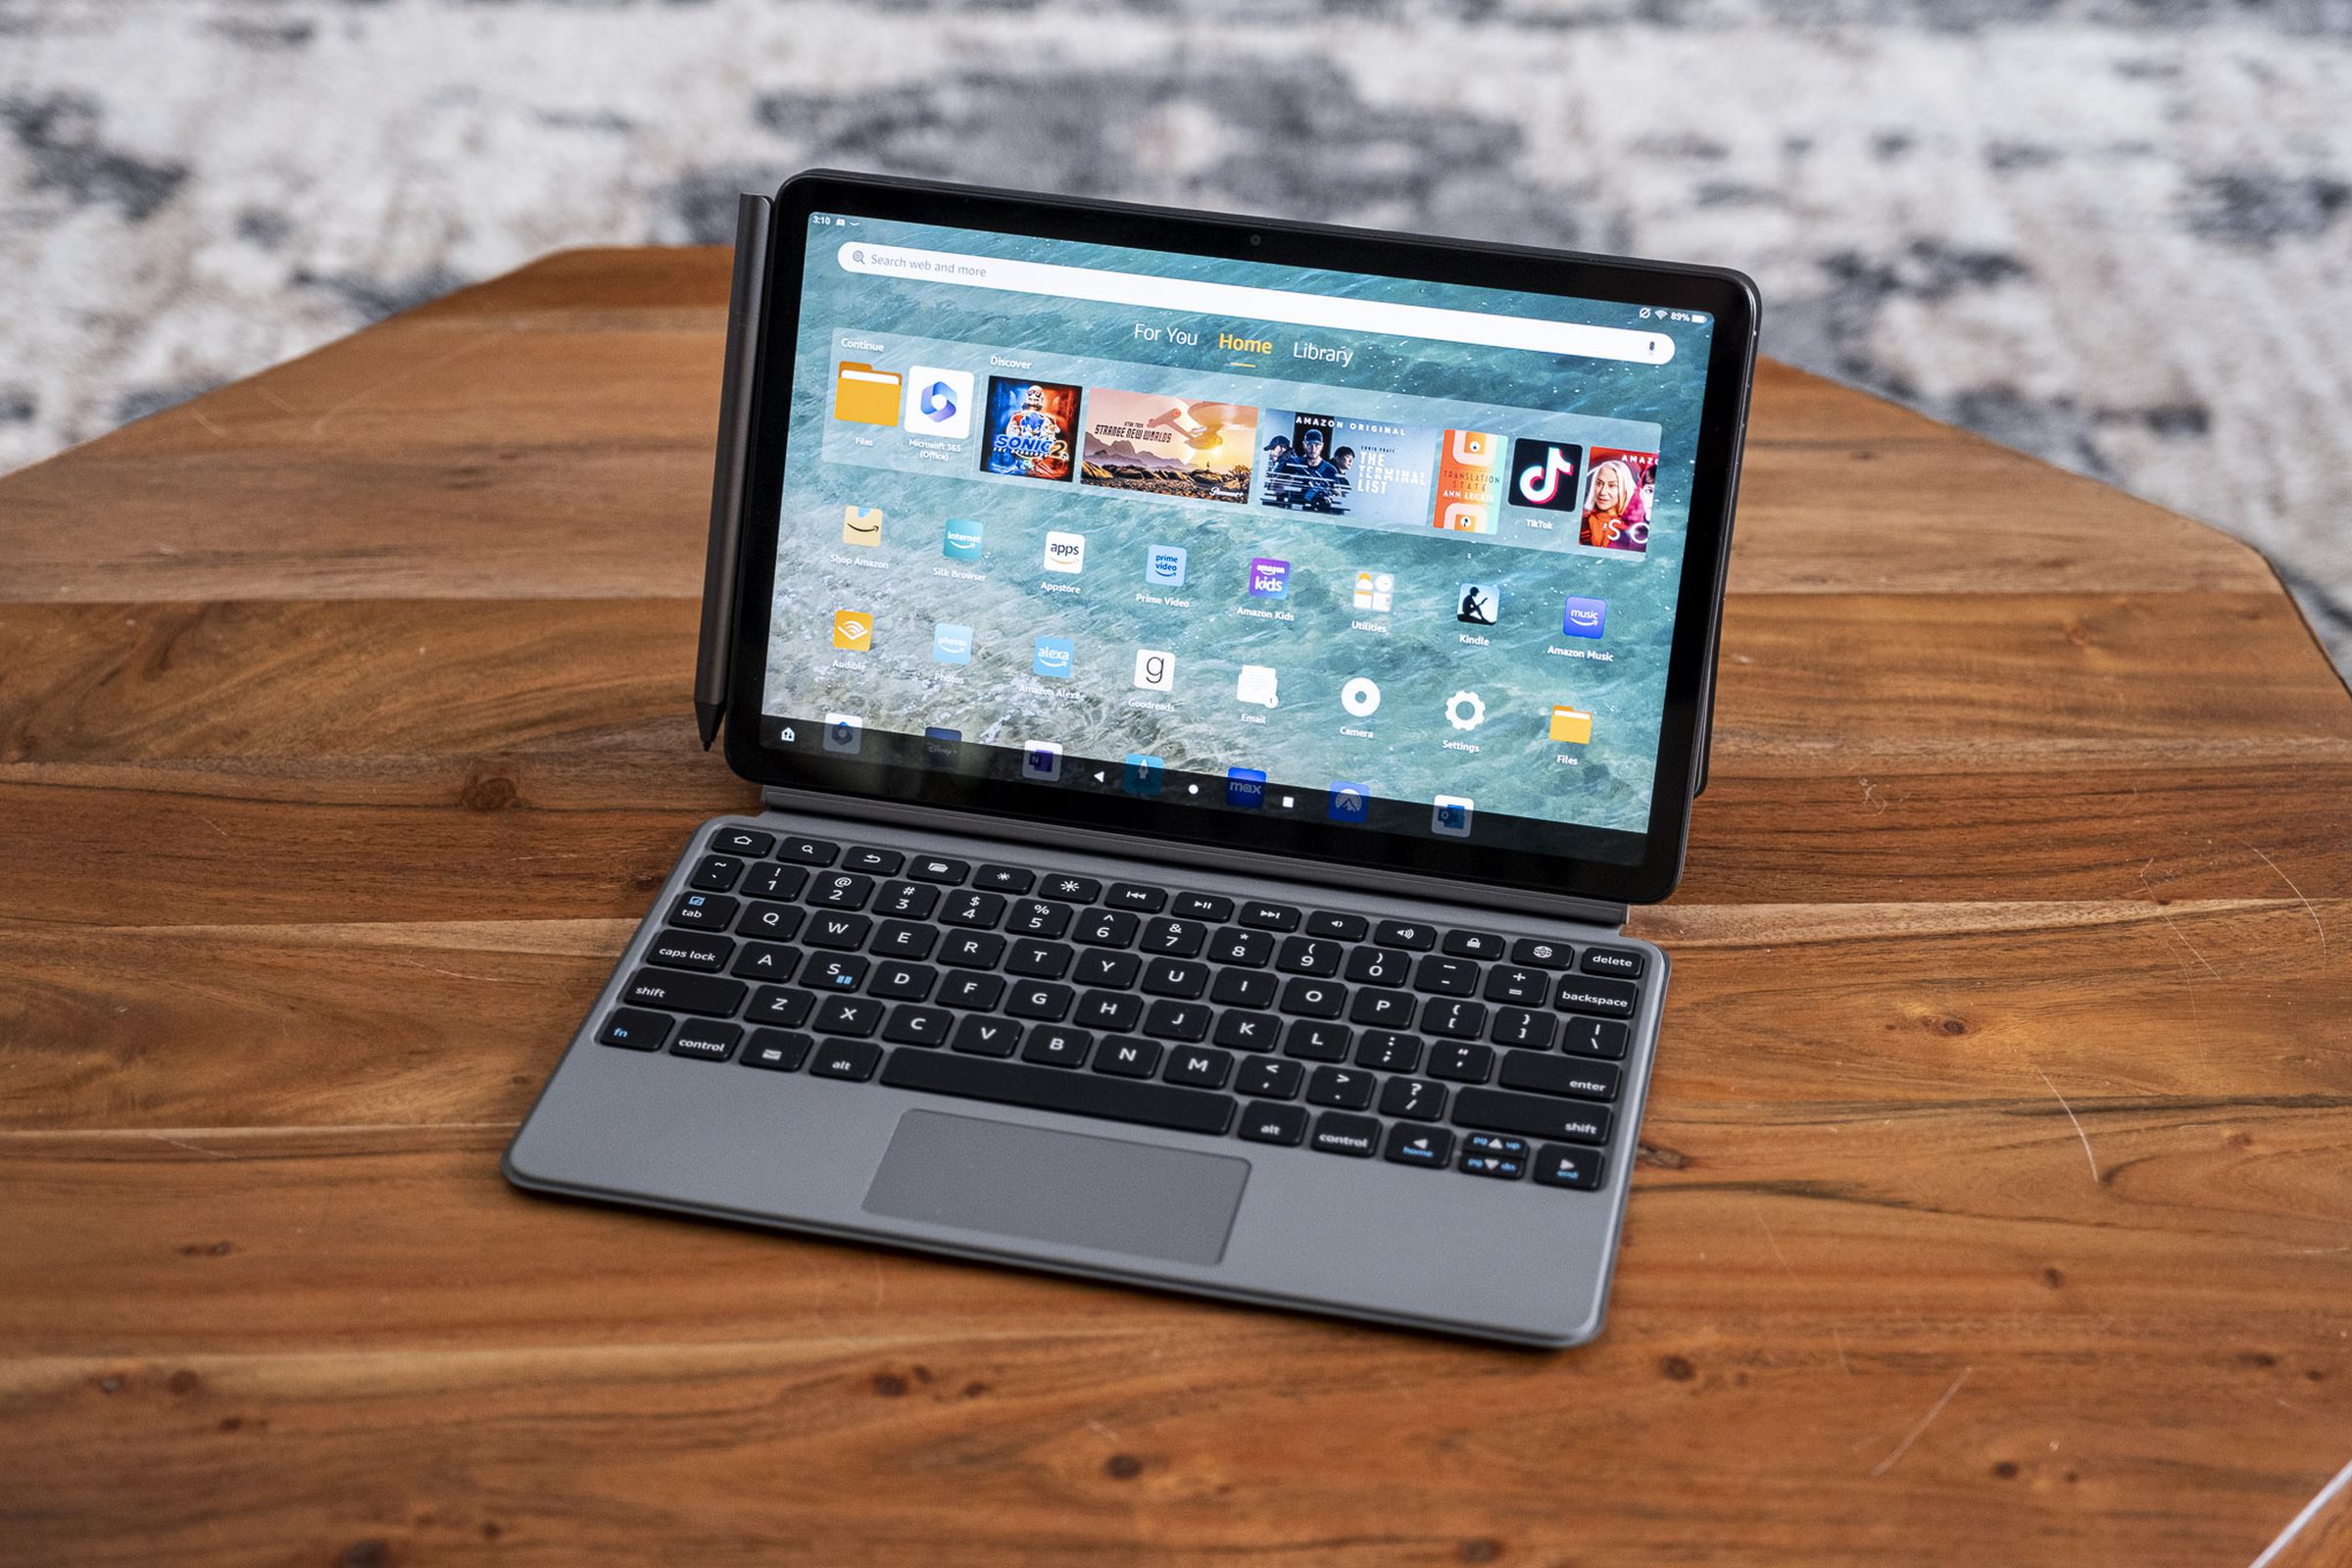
1544	473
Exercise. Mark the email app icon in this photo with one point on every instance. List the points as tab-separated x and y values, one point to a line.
863	395
861	525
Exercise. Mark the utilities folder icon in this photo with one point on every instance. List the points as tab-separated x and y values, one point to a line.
863	395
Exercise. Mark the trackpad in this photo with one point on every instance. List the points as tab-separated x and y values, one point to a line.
1051	1186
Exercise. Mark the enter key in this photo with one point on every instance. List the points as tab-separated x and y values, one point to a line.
1573	1076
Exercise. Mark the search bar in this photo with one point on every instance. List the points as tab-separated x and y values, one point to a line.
1191	296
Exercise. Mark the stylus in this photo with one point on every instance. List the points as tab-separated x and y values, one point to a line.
711	658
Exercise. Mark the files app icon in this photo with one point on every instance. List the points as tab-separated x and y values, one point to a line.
863	395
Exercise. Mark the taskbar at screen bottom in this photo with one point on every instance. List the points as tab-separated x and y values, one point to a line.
932	765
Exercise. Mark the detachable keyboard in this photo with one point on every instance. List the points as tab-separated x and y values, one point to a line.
1322	1028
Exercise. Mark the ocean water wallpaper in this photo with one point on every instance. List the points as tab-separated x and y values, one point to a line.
1413	640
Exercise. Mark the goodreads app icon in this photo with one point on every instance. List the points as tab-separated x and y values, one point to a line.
861	525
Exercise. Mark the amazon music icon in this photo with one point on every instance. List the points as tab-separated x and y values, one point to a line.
1544	473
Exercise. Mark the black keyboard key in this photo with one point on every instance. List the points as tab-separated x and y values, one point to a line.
1126	1056
911	1025
903	982
1035	917
1177	1020
986	1037
1337	1133
1176	977
1201	907
808	851
853	1060
1080	1093
634	1030
972	949
979	910
1248	1031
1413	938
772	922
1270	1078
1314	998
1594	1037
1518	985
903	938
1454	1019
848	1015
707	1042
1537	954
1339	927
1244	987
675	992
1056	1047
1623	962
1199	1067
1610	998
939	869
1071	889
748	842
1105	928
1499	1145
1109	1010
776	1050
1344	1087
835	972
1269	916
1039	999
1004	878
905	901
1250	949
1172	938
1414	1098
1386	1051
717	873
1529	1031
1134	895
1039	960
878	863
703	912
1317	1041
1472	945
1309	955
1379	966
786	1009
1464	1065
766	960
841	890
1447	977
1531	1116
1558	1165
843	933
1385	1010
1116	971
682	950
1580	1077
769	880
974	993
1501	1167
1263	1123
1429	1146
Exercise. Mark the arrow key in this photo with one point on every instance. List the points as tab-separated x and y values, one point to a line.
1414	1145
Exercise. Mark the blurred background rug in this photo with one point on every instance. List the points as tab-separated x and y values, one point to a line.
2117	233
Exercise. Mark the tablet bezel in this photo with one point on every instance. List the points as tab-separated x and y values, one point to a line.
1728	296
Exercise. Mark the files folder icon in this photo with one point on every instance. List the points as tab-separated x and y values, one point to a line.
863	395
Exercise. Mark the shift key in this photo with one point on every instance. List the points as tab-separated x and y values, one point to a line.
707	994
1531	1116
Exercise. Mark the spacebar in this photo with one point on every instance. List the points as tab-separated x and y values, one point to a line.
1007	1083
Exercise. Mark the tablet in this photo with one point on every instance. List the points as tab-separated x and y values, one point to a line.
1383	552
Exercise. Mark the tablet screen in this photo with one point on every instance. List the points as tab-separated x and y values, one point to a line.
1384	554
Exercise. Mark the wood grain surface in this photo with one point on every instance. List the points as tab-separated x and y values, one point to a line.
1995	1204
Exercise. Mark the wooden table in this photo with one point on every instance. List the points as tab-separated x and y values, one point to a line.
1995	1204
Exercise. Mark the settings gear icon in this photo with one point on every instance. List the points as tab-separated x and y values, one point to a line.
1465	710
